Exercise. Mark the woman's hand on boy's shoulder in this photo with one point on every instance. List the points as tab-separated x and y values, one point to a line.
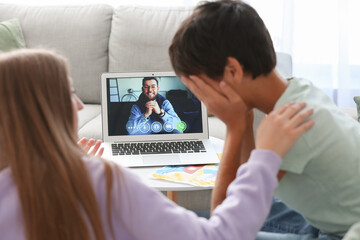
279	130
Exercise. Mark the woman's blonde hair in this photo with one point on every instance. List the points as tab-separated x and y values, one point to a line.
38	142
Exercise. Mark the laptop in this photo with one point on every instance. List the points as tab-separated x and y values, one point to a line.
153	119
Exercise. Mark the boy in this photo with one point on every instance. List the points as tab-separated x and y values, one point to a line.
227	42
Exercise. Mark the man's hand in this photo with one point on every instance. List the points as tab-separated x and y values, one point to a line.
149	109
279	130
220	99
152	106
91	147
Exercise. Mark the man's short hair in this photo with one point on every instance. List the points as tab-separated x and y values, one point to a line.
150	78
218	30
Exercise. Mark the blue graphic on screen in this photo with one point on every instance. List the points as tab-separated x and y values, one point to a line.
152	105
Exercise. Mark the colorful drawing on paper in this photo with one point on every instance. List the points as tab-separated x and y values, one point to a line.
198	175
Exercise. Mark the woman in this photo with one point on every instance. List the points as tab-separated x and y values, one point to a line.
51	189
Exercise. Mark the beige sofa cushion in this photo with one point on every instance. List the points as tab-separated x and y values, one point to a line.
140	38
81	33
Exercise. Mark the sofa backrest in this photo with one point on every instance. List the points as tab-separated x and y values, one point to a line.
97	39
140	37
80	33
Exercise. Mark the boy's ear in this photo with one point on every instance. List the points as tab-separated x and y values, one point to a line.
233	71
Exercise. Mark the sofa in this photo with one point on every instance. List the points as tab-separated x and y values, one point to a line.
102	38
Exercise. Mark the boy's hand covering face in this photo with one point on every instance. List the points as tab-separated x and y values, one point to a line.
220	98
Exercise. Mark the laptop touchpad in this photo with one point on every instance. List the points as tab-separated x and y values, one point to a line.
161	160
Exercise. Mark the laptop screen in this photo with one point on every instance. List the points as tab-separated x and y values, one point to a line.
151	105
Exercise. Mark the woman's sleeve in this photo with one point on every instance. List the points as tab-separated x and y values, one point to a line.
148	214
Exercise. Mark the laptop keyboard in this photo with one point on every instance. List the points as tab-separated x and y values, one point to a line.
157	148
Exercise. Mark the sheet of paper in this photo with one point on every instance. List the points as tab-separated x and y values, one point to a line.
199	175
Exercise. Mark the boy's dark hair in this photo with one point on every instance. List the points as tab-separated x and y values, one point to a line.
150	78
218	30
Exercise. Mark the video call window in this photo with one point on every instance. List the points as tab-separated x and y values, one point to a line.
148	105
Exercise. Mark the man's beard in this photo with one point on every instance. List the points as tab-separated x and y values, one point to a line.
152	99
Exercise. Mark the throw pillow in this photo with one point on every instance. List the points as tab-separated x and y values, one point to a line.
11	35
357	101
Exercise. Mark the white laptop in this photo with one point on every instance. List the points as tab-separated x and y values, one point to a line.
152	119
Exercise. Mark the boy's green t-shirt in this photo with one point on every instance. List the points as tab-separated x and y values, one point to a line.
323	167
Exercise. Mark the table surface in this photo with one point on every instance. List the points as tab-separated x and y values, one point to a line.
163	185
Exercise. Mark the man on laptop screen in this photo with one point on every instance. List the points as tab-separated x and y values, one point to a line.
152	105
153	113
